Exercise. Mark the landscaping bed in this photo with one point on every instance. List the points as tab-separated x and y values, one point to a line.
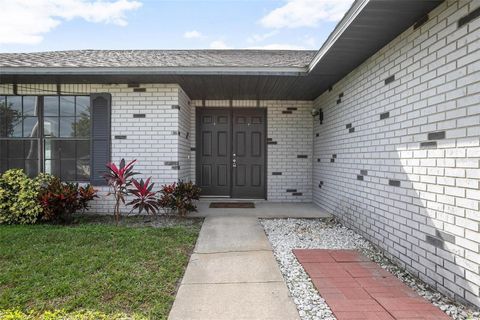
288	234
94	269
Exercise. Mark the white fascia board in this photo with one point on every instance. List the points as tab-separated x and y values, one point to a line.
294	71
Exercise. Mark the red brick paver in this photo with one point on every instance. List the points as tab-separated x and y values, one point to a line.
358	289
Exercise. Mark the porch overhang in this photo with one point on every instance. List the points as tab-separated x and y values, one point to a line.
366	28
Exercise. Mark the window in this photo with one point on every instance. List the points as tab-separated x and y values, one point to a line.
19	134
46	133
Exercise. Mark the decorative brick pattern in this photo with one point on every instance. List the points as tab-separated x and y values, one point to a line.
474	14
436	89
289	135
394	183
147	139
436	135
389	79
184	113
428	145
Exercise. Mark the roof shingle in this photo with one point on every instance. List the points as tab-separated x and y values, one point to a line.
158	58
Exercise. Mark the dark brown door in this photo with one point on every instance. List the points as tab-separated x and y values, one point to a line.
248	155
231	156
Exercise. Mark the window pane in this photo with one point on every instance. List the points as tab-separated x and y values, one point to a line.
50	127
17	129
30	106
50	106
52	149
31	149
67	127
83	170
15	103
30	127
83	105
3	149
52	167
16	164
15	149
82	126
68	170
83	149
67	106
67	149
3	115
19	154
10	118
14	116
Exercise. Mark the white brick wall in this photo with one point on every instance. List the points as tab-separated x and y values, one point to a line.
430	223
151	140
185	137
293	134
167	133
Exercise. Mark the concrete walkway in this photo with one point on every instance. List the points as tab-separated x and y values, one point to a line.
263	209
232	274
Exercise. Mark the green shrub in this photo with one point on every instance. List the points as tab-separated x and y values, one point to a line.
19	197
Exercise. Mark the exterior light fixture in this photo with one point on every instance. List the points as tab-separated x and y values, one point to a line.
318	112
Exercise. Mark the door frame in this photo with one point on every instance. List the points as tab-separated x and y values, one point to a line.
198	145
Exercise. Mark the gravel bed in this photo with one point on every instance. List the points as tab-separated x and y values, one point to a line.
288	234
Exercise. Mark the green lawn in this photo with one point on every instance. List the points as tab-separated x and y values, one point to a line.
92	267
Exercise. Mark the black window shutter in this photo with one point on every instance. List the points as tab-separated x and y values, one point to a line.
100	148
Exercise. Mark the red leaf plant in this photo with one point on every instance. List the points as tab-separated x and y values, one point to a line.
179	197
119	179
145	199
60	200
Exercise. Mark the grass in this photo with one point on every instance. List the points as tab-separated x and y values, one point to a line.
93	267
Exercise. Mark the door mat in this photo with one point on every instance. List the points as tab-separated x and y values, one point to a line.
232	205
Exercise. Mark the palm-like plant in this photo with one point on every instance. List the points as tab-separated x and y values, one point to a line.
145	199
119	179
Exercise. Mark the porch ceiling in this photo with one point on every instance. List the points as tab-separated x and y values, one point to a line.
367	27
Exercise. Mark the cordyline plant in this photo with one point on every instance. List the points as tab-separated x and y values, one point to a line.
60	200
145	198
179	197
119	179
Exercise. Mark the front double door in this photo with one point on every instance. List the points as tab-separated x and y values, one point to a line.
231	147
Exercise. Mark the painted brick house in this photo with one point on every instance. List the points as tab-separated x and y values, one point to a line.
380	127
